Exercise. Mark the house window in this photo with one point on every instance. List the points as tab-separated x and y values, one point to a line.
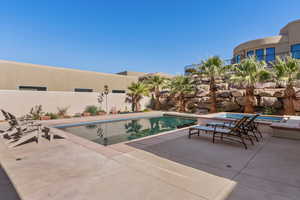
259	54
238	59
295	50
118	91
250	53
83	90
270	54
32	88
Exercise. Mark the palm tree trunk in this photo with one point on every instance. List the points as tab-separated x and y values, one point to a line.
289	96
249	104
181	103
157	102
213	98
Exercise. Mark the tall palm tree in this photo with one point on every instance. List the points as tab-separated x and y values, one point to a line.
248	73
156	84
180	86
136	93
287	70
212	68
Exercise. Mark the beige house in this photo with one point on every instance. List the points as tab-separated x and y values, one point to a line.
24	76
287	42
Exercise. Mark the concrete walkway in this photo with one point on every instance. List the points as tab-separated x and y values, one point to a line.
267	171
74	168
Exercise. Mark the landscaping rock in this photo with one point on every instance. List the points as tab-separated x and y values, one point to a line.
266	85
237	93
264	92
270	102
297	105
204	87
224	94
229	106
278	93
242	100
202	93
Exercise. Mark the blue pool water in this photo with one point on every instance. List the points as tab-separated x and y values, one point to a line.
112	132
259	118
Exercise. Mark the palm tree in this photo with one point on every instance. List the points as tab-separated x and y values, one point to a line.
156	84
212	68
287	70
248	73
180	86
136	93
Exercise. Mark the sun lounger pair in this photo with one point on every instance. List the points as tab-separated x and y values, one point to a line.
237	131
20	132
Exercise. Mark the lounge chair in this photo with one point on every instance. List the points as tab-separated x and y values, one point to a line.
250	126
17	127
224	133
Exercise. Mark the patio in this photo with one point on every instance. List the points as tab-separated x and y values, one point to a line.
165	166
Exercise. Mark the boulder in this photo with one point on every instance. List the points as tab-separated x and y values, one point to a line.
237	93
202	93
266	85
278	93
264	92
229	106
204	87
270	102
222	86
224	94
297	83
297	105
242	100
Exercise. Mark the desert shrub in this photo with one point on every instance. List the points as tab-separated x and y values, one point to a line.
91	109
77	115
269	110
62	111
36	112
52	115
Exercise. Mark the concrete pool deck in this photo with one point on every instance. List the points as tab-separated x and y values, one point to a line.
165	166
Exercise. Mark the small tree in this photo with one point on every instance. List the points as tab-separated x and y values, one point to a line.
180	86
248	73
135	94
156	84
287	70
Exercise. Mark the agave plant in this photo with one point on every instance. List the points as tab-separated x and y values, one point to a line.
180	86
156	84
212	68
287	70
248	73
136	93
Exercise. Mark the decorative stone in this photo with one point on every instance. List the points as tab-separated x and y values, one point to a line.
237	93
228	106
242	101
270	102
264	92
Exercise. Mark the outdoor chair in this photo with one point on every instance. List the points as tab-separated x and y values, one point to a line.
22	131
250	126
235	133
16	126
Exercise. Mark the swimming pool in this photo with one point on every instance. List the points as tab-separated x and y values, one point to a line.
116	131
266	118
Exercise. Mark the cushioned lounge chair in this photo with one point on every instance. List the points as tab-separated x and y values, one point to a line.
249	127
232	133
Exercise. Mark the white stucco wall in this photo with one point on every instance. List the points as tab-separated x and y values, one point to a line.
19	103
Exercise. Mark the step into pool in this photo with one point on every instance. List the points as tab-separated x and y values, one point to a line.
116	131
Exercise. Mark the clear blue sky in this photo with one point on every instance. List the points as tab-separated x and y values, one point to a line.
139	35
